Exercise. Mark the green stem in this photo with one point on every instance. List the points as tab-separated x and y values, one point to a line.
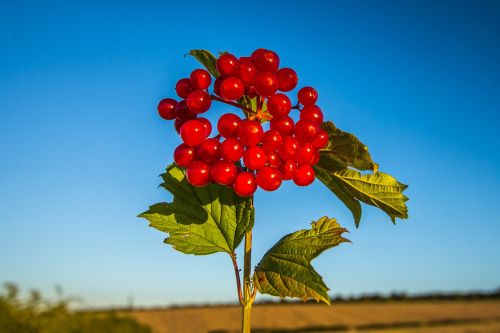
248	295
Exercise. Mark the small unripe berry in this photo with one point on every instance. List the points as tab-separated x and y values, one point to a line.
287	79
183	88
307	96
228	125
245	184
200	79
198	174
167	108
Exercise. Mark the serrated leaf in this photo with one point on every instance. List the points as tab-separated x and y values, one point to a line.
201	220
286	270
377	189
207	59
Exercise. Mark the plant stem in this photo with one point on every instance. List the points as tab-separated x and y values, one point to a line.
247	287
239	106
237	274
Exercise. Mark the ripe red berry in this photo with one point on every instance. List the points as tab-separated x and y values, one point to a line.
208	150
183	88
199	101
231	150
184	155
167	108
288	148
193	132
250	132
306	154
273	160
227	64
266	83
217	83
257	53
198	174
200	79
307	96
268	178
266	61
288	169
304	175
321	139
279	105
207	124
183	112
223	173
284	125
228	125
287	79
245	184
312	113
232	88
306	131
246	70
254	158
271	140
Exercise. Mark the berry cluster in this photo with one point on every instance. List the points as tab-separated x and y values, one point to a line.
262	149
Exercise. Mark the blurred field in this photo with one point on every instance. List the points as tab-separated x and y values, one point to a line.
482	316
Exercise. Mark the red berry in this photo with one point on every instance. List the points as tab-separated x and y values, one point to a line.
223	173
284	125
306	131
266	83
231	150
232	88
193	132
279	105
321	139
200	79
288	169
257	53
250	132
306	154
183	88
199	101
288	148
316	158
268	178
246	70
304	175
312	113
217	84
287	79
183	111
250	91
208	150
245	184
271	140
227	64
254	158
228	125
167	108
184	155
266	61
307	96
207	124
198	174
273	160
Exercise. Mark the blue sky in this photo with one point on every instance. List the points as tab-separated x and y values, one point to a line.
82	145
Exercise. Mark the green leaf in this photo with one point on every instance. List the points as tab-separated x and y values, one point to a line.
286	270
201	220
377	189
207	59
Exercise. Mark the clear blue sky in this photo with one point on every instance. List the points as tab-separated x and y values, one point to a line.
81	144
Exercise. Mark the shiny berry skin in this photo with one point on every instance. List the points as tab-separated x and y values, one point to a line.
268	178
287	79
184	155
232	88
246	70
199	101
250	132
279	105
284	125
288	169
257	53
273	160
266	83
183	87
254	158
306	131
228	125
288	148
227	64
307	96
231	150
306	154
321	139
266	61
304	175
193	132
223	173
183	111
200	79
217	83
198	174
271	140
245	184
167	108
208	150
312	113
207	124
